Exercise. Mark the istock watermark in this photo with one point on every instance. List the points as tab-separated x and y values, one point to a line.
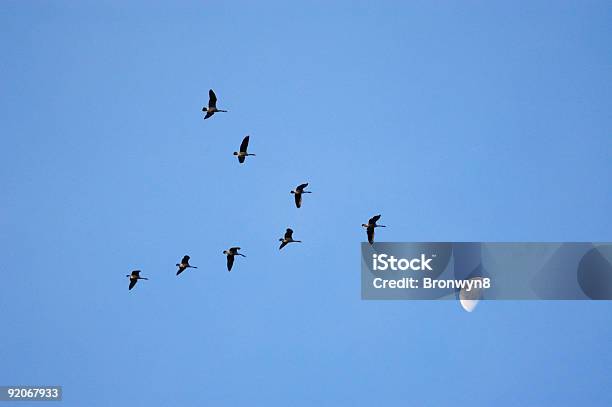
383	262
448	270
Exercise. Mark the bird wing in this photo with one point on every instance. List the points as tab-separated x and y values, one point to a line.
230	262
208	114
289	233
298	199
374	219
370	231
244	145
241	159
301	187
234	249
283	244
212	99
132	283
136	273
185	260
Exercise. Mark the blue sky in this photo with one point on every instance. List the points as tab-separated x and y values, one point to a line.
475	121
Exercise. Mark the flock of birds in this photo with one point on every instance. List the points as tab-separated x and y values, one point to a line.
232	252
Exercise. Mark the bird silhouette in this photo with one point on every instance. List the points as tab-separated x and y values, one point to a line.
231	253
297	193
212	105
242	154
370	226
184	265
134	277
288	239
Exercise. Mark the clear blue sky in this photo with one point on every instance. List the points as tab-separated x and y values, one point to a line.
479	121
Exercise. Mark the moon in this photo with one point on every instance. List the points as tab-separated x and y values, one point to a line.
470	299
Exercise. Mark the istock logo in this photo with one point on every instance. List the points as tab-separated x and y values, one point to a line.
384	262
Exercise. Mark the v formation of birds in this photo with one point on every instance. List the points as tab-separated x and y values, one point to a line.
232	252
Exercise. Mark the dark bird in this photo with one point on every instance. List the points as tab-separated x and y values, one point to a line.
370	226
297	194
231	253
288	239
184	265
242	154
134	277
212	105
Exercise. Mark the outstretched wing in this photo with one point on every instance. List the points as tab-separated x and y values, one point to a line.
180	270
298	199
283	244
301	187
132	283
370	231
374	219
234	249
289	234
230	262
208	114
185	260
136	273
244	145
212	99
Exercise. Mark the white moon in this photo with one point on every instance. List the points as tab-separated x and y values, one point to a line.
470	299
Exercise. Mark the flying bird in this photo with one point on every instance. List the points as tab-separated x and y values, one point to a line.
231	253
184	265
134	277
242	154
288	239
297	193
212	105
370	226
